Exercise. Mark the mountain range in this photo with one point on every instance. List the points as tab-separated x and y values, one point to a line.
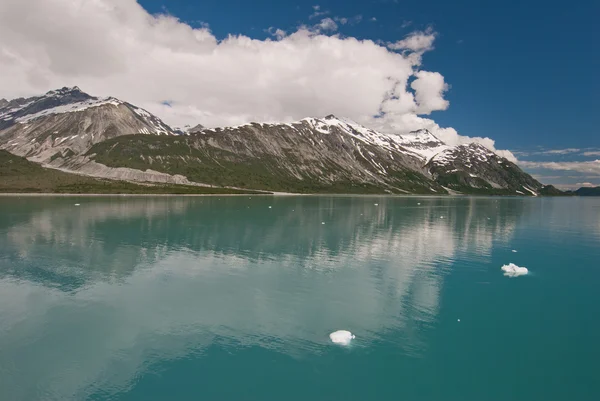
107	138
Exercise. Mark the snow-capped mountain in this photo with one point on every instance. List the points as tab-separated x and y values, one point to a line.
72	130
69	121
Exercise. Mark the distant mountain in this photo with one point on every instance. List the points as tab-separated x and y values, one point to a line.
587	191
105	137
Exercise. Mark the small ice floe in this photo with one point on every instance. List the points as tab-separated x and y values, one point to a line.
376	204
514	251
441	217
419	203
512	270
270	207
322	222
458	320
77	204
342	337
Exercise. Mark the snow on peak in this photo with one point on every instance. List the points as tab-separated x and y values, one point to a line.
422	136
69	108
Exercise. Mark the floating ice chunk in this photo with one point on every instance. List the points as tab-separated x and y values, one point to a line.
270	207
77	204
376	204
419	203
322	222
512	270
458	320
514	250
342	337
441	217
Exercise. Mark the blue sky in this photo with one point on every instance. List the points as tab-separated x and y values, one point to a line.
518	77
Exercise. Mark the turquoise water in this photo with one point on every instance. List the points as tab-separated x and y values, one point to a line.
234	298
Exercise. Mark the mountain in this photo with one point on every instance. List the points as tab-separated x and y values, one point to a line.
472	168
312	155
586	191
67	122
70	130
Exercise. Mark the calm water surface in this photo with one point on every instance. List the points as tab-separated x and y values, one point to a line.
233	298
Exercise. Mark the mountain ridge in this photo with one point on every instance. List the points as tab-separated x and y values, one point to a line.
70	130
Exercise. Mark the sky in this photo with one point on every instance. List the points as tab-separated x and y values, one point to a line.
519	77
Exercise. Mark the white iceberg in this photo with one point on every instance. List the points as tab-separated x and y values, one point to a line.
512	270
342	337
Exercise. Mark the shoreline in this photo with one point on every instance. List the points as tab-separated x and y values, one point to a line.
282	194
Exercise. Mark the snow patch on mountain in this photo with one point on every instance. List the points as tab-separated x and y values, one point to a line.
68	108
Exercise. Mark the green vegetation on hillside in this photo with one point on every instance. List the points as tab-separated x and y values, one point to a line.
18	175
211	165
551	190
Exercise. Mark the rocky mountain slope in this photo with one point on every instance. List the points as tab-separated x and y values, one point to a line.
311	155
472	168
68	122
70	130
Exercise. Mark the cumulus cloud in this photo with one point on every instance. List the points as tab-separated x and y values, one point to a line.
429	91
327	24
114	47
418	41
592	153
276	32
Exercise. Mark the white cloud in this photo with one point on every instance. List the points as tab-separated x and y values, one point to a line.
327	24
590	167
317	12
429	92
560	151
418	41
351	21
276	32
592	153
114	47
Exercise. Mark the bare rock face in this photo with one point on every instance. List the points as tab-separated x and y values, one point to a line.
70	130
